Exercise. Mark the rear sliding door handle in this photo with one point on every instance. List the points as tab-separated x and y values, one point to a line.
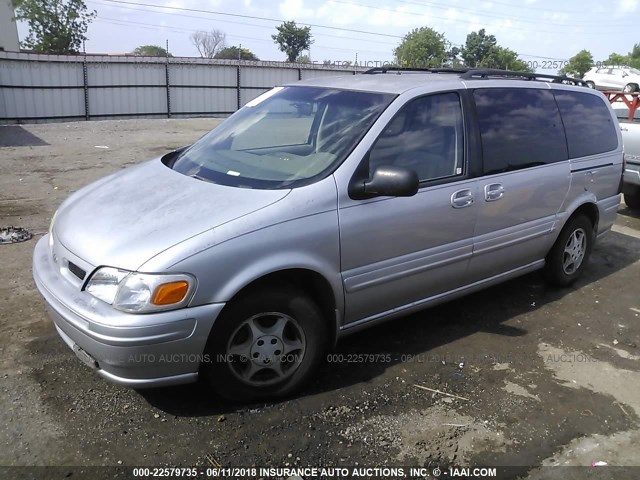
462	198
493	192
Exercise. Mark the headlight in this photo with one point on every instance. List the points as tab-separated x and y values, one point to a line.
53	220
140	292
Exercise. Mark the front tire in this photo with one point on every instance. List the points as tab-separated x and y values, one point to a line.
630	88
265	345
590	84
568	257
632	200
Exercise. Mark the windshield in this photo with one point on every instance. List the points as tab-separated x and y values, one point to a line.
634	71
287	137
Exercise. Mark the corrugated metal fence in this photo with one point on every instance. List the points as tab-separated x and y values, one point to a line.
63	87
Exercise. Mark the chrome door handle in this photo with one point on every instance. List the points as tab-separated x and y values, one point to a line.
493	192
462	198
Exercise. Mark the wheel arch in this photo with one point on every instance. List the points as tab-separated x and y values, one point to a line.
309	281
584	206
590	210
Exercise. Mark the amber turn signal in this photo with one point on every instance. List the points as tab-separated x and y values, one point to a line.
169	293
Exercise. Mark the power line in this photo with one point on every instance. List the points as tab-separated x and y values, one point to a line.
475	12
253	17
500	16
120	3
97	2
152	26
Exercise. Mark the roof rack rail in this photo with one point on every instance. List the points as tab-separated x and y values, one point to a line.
375	70
495	73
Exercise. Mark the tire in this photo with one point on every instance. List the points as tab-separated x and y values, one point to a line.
568	257
630	88
265	345
632	200
590	84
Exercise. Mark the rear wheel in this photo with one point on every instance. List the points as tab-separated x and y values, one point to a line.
632	200
630	88
265	345
590	84
568	257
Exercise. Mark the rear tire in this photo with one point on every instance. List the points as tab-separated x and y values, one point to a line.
632	200
568	257
265	345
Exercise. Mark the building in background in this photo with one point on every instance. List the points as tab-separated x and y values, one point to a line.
8	28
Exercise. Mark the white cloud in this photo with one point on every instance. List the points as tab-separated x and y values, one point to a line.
294	9
627	6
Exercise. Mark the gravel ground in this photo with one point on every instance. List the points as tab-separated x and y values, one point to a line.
530	376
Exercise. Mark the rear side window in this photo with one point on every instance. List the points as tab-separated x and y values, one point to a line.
588	123
520	128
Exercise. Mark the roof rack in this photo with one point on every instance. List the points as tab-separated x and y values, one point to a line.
375	70
483	73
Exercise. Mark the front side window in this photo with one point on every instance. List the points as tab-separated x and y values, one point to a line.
425	136
590	128
519	128
288	137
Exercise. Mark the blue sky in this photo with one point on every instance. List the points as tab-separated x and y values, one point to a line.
538	30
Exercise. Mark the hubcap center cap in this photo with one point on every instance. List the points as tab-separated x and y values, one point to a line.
266	350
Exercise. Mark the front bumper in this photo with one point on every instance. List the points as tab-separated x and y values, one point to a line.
144	350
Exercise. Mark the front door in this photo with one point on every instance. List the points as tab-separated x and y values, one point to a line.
399	252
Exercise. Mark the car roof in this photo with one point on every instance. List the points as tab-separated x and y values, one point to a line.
397	81
386	83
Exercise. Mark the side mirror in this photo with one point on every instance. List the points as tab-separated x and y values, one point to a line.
390	181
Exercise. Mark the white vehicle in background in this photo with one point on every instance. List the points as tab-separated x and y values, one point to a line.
631	138
610	77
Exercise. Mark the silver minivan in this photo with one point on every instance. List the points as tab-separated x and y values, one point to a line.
321	208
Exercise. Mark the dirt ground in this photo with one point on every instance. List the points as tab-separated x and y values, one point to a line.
535	376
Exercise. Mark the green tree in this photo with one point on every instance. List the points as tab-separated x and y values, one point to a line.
55	26
422	47
303	59
235	53
578	65
617	59
478	48
292	39
634	56
504	58
454	57
482	51
151	51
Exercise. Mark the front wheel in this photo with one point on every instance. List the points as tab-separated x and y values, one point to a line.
630	88
265	345
632	200
568	257
590	84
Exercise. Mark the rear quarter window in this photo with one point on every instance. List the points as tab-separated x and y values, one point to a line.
588	123
520	128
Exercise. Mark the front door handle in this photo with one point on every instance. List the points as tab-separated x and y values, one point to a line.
462	198
493	192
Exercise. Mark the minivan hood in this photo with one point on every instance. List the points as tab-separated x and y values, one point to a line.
131	216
